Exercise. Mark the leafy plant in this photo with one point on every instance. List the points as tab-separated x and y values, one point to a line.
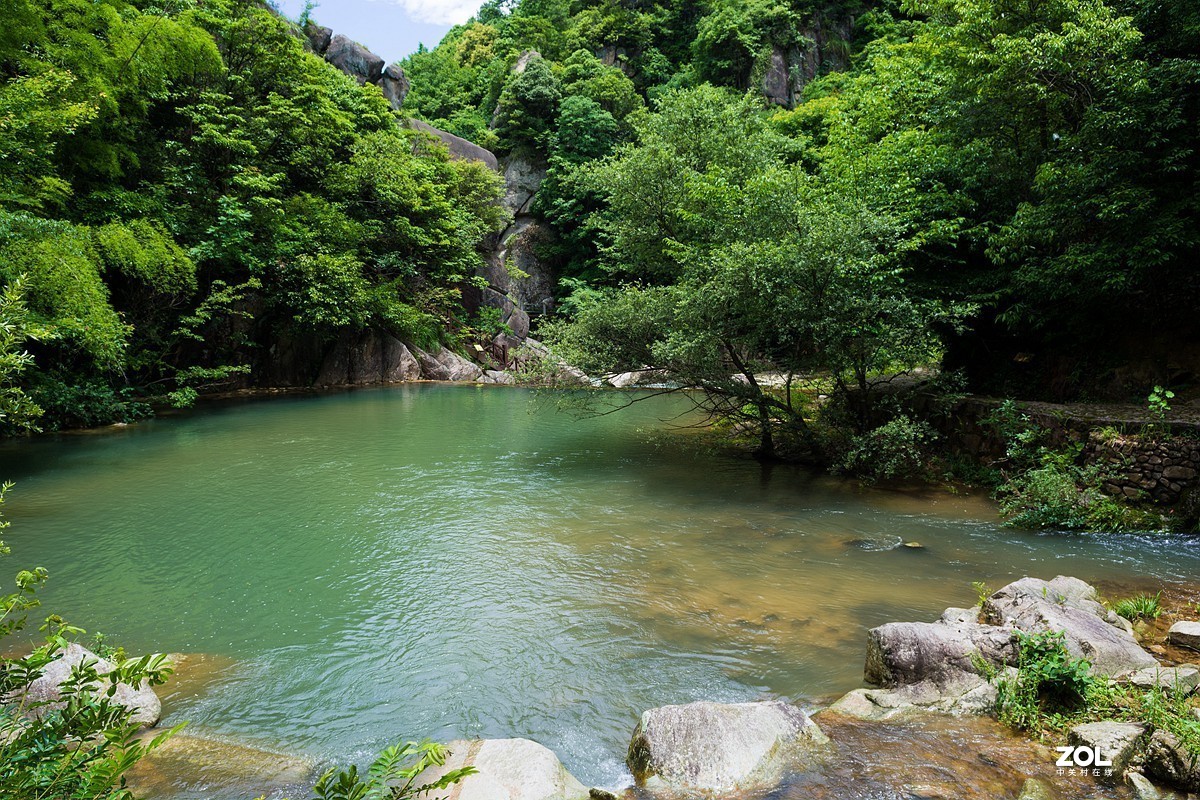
393	776
1048	681
1143	606
900	448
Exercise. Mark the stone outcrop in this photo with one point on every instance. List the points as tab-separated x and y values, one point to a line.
723	747
641	377
353	59
514	266
939	665
443	365
508	769
1183	679
395	85
825	49
44	694
458	147
367	358
1185	634
319	38
1167	760
1118	742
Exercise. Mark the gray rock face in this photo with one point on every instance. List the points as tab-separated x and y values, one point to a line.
444	365
458	147
641	377
367	358
508	769
1069	605
517	247
719	747
1119	742
777	83
319	38
1185	634
1168	761
353	59
936	666
45	691
395	85
511	314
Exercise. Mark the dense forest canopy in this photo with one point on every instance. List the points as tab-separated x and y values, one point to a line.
847	187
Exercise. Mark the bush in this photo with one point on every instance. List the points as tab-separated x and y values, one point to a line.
900	448
393	776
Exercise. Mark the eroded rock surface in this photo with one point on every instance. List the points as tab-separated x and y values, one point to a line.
508	769
44	694
723	747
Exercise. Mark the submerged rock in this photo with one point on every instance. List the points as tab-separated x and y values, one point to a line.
1118	742
217	767
45	692
723	747
508	769
1185	634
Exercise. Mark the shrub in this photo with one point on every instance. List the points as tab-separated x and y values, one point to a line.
393	776
897	449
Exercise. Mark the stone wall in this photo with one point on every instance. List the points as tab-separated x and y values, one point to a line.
1146	458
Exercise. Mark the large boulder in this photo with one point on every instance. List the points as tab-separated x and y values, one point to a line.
1185	634
45	693
941	665
319	38
523	177
1118	742
508	769
723	747
353	59
1069	605
395	85
1169	761
443	365
1183	679
458	147
365	359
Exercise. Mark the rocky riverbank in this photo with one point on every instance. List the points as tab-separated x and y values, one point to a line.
924	729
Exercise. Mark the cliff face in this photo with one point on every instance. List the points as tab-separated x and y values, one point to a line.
825	49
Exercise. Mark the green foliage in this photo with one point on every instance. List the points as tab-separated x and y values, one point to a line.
17	411
1048	681
392	776
1142	606
898	449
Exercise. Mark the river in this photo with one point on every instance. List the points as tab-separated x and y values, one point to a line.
452	561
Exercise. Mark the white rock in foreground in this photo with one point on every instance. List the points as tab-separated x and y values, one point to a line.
509	769
723	747
1185	634
45	695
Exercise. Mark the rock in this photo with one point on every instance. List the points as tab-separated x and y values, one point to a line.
353	59
1143	789
458	147
399	364
906	653
965	695
44	692
1185	634
218	768
777	80
395	85
1181	680
510	313
1033	789
523	61
365	359
1071	606
914	545
523	177
446	366
723	747
318	38
1169	761
514	266
1119	742
509	769
497	377
641	377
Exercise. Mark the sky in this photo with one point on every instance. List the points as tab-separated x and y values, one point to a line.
389	28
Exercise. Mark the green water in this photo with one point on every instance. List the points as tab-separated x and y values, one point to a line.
456	561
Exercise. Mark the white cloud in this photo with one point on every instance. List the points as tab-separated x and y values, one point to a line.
440	12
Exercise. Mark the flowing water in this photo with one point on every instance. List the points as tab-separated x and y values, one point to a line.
446	561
